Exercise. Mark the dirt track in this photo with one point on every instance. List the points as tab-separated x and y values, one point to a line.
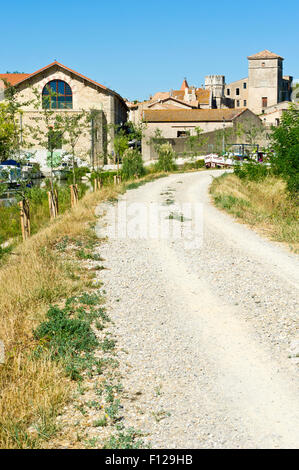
204	332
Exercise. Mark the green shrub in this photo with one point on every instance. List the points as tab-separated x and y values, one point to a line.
132	164
285	143
68	336
253	171
194	165
166	158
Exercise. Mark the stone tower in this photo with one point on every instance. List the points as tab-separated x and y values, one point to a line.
216	84
265	80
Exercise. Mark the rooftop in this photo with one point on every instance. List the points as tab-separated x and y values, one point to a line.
191	115
265	55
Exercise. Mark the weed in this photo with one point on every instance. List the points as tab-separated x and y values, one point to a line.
100	422
124	439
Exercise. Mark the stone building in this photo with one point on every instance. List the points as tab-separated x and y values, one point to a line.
73	92
265	86
176	125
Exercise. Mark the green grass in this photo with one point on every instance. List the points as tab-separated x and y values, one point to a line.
67	336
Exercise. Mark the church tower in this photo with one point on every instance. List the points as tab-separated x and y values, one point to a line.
265	80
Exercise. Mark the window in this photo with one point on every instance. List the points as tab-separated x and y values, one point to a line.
182	133
263	64
264	102
245	102
57	95
228	92
237	91
238	103
244	85
277	122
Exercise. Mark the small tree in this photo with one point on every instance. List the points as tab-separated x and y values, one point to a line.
7	132
166	157
73	126
132	166
47	131
196	142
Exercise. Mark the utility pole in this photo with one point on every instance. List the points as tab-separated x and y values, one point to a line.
223	137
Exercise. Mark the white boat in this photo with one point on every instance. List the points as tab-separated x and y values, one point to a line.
10	173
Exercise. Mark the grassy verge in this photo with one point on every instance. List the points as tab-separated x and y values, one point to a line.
48	348
10	227
264	205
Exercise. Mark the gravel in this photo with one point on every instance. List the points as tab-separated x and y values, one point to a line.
207	337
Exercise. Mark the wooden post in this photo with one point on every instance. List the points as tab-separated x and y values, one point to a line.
100	184
115	179
25	218
95	184
74	195
118	179
53	203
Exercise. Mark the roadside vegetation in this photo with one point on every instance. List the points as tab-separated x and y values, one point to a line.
264	205
50	309
267	197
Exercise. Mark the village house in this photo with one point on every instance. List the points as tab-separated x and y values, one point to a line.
72	92
176	125
264	93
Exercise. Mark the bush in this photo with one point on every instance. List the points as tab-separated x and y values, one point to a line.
166	158
285	143
195	165
252	171
132	166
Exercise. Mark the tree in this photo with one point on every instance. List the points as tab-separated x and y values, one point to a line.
132	166
285	144
48	131
73	126
196	142
166	157
7	132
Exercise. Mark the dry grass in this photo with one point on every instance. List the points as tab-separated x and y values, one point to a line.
264	205
32	389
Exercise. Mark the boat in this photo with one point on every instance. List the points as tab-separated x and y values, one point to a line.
10	172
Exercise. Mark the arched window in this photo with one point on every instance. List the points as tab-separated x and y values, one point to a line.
57	95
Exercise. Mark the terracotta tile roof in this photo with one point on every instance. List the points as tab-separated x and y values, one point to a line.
265	55
160	95
178	94
13	78
191	115
202	95
26	76
184	84
170	98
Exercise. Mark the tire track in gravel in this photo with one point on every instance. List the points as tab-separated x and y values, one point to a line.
203	333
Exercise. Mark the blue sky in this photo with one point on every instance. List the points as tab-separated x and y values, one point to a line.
139	47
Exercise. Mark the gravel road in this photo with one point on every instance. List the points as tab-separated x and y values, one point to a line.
207	333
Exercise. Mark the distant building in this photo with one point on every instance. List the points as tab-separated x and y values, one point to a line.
74	92
175	125
265	86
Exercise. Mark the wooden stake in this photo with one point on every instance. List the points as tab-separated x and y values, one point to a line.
74	195
25	218
115	179
53	203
